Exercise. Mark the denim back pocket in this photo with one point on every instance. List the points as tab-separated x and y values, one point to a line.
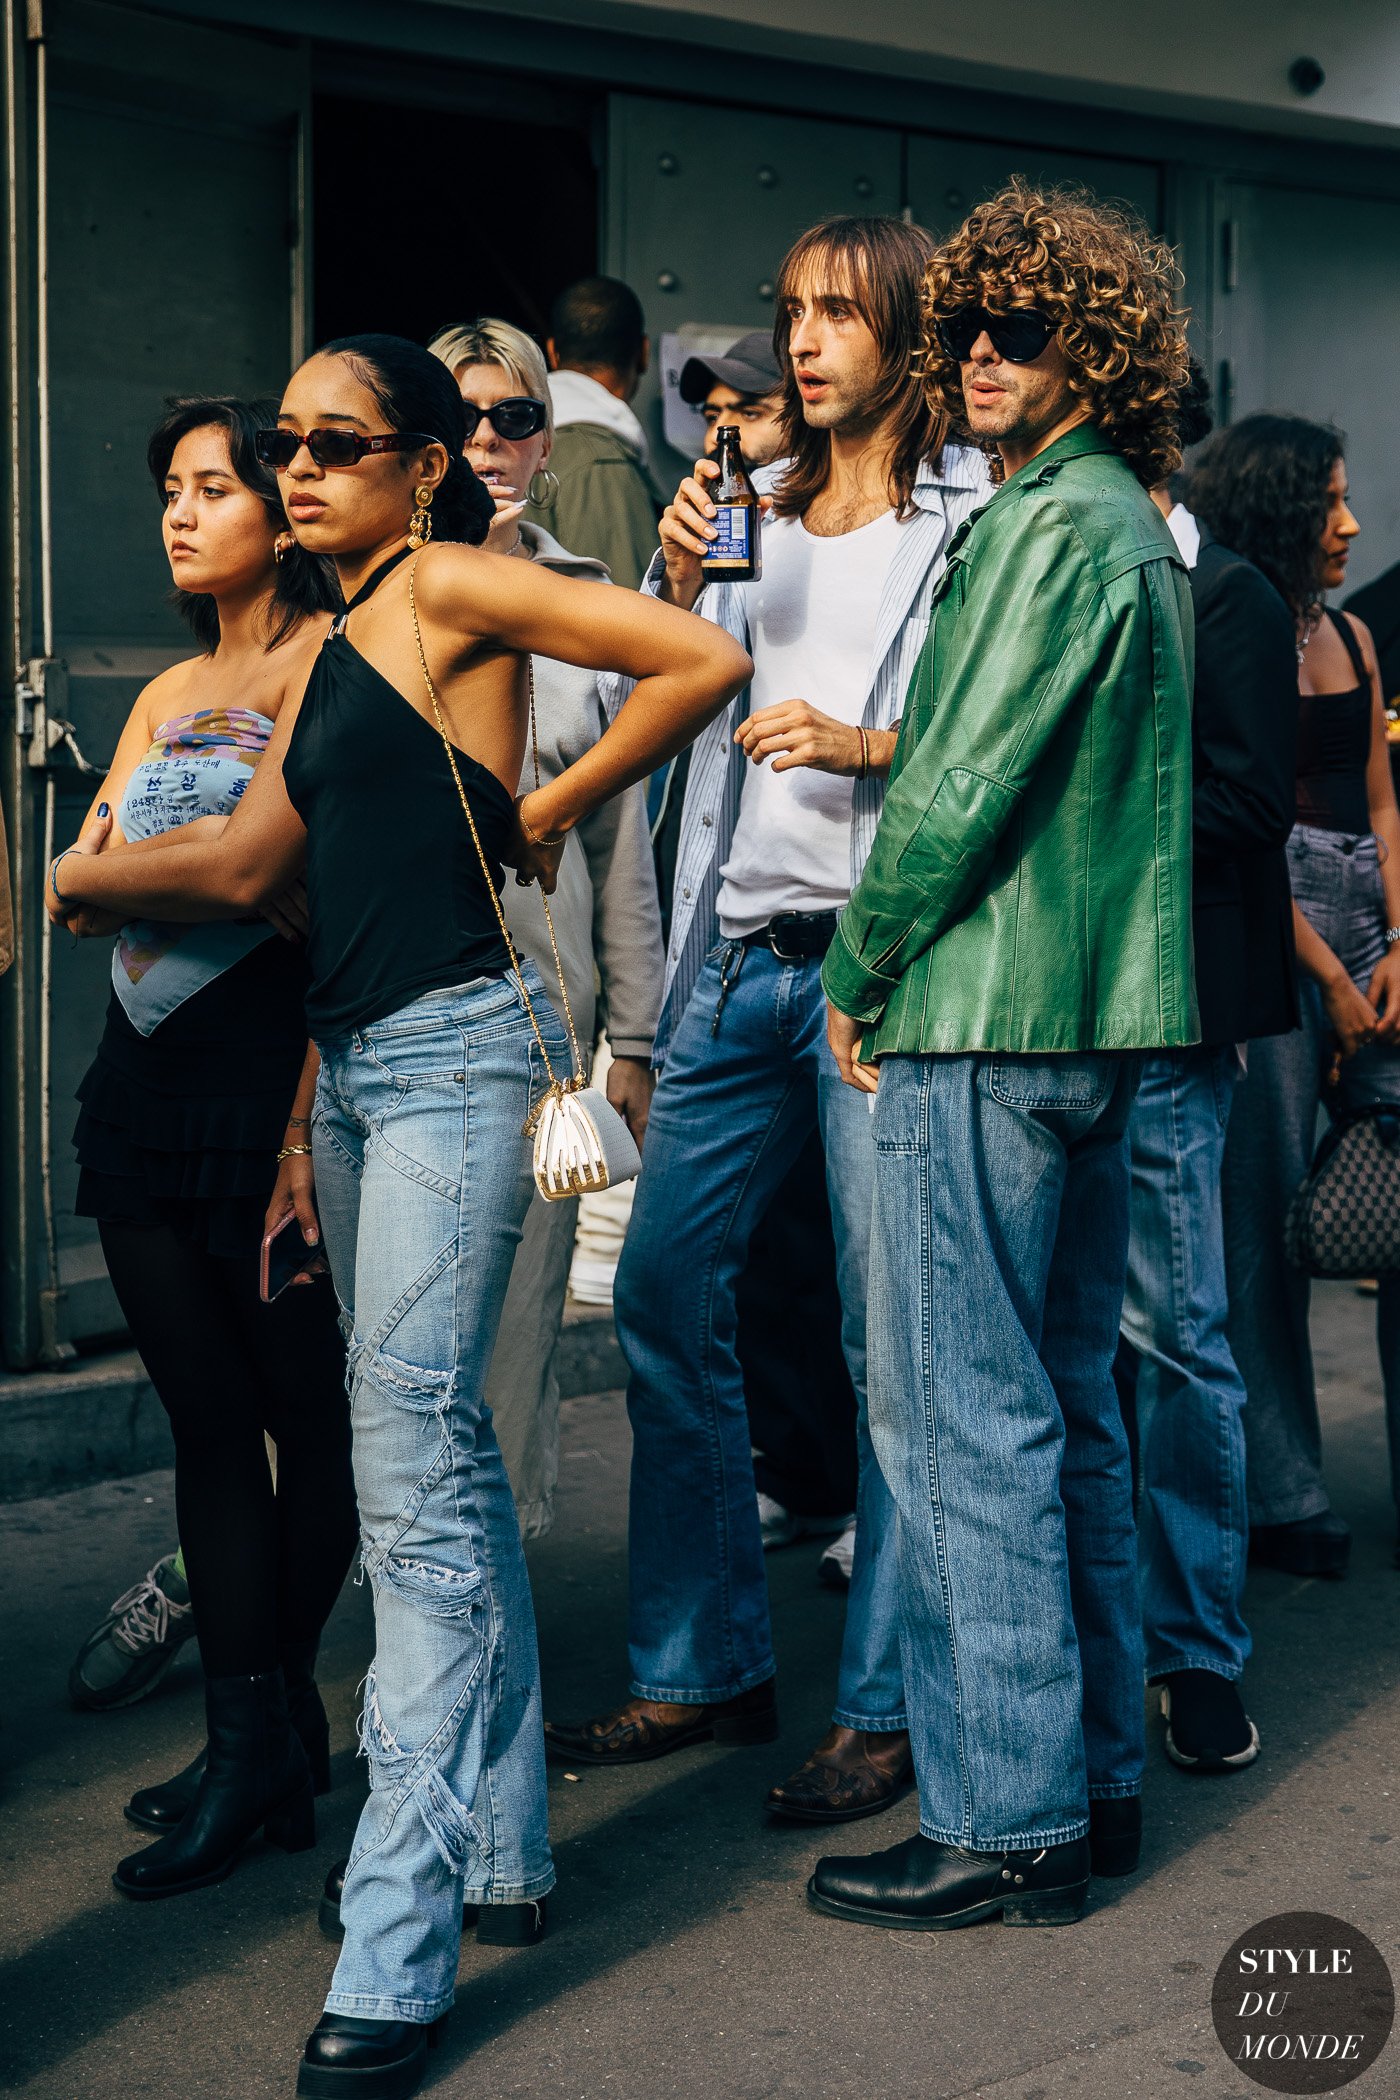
1068	1085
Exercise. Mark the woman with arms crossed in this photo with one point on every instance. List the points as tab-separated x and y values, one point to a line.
429	1070
184	1109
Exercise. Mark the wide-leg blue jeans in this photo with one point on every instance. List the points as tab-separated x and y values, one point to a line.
747	1077
996	1282
1193	1528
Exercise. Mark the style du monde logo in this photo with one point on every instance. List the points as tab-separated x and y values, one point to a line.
1303	2003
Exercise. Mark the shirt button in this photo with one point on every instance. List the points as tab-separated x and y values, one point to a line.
707	822
686	895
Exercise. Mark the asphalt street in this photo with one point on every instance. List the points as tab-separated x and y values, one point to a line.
682	1957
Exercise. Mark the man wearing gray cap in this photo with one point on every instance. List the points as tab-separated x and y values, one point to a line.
743	389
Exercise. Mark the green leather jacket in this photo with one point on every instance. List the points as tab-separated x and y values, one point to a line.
1029	888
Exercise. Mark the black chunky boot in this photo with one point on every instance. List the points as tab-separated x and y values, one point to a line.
162	1808
497	1924
256	1774
365	2059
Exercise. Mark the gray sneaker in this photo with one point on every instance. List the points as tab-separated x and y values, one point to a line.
126	1657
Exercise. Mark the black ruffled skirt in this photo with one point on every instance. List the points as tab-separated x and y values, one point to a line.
182	1127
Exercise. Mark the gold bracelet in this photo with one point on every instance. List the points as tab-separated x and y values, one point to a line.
290	1152
537	838
864	753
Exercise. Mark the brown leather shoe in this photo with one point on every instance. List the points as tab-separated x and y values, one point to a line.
852	1772
645	1728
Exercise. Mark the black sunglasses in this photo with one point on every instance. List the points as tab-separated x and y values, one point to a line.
332	448
1020	336
522	416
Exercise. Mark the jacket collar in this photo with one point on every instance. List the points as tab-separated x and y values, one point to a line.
547	551
1079	443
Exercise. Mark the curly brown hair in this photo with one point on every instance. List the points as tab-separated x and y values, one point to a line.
1110	285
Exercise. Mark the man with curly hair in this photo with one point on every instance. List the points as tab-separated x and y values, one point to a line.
1020	937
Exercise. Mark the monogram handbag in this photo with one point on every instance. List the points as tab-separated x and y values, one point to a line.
582	1144
1345	1217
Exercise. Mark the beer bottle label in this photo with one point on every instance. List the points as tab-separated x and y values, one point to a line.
732	545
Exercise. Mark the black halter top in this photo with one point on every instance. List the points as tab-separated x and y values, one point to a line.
1334	746
396	898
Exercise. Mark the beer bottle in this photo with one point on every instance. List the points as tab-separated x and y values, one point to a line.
734	555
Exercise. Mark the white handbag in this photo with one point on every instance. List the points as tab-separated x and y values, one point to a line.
582	1144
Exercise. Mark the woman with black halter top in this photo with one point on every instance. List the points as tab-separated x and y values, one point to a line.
1274	488
201	1064
429	1070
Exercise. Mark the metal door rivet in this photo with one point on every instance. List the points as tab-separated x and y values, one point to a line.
864	186
768	177
953	199
766	289
668	280
668	164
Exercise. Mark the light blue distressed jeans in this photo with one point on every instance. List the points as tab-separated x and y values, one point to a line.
747	1077
423	1179
997	1260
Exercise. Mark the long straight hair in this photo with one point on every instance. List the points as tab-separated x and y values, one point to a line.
877	265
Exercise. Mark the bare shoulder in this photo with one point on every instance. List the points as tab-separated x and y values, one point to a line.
1363	635
169	693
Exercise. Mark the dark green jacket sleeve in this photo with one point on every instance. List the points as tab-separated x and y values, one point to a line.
1031	622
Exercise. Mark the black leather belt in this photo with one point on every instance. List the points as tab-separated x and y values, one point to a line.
793	936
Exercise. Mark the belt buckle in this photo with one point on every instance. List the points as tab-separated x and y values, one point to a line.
784	918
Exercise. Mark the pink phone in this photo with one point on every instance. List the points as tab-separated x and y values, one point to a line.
286	1255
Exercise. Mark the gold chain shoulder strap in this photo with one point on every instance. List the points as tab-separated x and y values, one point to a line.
557	1085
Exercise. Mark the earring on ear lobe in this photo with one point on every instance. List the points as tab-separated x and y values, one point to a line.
547	495
282	546
420	525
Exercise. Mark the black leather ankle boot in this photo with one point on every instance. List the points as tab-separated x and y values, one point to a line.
164	1807
365	2059
256	1774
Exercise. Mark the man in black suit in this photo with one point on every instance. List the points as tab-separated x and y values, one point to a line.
1193	1528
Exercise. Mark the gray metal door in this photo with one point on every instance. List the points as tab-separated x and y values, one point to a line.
1307	322
948	176
163	213
702	204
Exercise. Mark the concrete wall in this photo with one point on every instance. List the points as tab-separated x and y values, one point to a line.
1192	58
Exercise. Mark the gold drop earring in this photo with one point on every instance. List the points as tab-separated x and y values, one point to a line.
420	525
282	546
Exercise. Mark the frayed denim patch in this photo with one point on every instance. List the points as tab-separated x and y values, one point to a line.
417	1386
453	1829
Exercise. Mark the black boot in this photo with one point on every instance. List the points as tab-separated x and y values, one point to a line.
365	2059
497	1924
1115	1834
922	1886
256	1774
162	1808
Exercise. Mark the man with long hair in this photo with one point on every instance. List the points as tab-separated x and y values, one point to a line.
1021	935
781	805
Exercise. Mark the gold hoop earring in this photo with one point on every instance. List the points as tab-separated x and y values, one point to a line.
420	525
549	495
282	546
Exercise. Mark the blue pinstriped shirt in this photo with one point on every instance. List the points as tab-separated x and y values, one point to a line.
944	495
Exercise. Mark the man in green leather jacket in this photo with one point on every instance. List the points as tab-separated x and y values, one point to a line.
1020	935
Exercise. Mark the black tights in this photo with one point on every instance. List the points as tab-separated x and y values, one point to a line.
264	1566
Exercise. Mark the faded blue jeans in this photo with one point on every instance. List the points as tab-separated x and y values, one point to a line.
1193	1532
997	1260
423	1179
747	1076
1336	880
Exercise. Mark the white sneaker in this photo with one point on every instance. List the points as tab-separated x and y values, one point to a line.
783	1527
778	1525
834	1567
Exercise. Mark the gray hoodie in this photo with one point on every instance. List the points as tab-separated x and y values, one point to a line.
606	915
